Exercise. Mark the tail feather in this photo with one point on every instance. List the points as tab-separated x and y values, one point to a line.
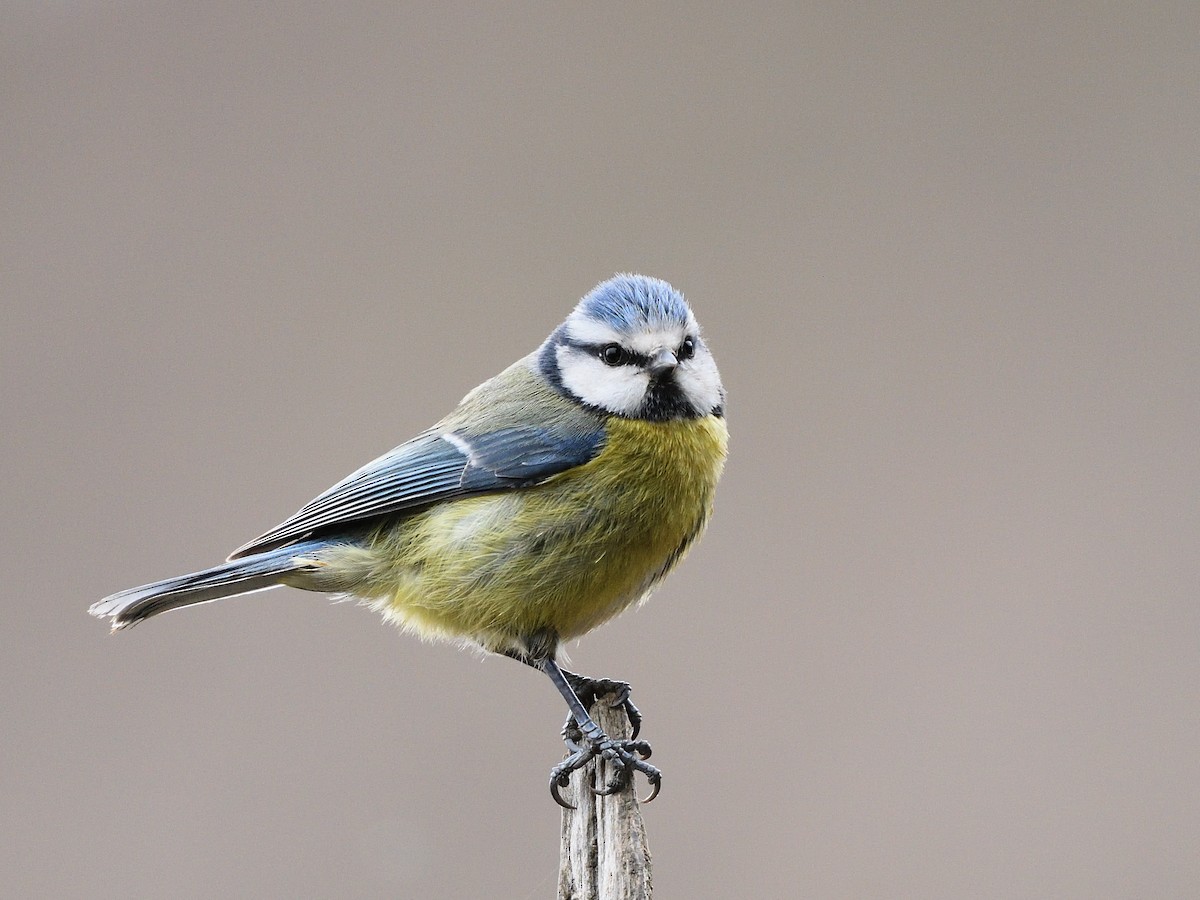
243	576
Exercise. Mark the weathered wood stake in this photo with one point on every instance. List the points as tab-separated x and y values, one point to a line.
604	855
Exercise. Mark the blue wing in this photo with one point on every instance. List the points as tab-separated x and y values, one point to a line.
436	466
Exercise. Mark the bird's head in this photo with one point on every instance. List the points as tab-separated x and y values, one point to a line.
632	348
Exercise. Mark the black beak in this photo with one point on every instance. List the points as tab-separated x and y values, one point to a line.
663	363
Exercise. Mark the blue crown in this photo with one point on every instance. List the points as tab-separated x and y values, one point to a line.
629	302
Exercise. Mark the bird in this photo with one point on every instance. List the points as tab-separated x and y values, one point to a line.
556	495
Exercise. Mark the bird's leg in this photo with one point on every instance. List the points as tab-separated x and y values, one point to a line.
583	737
625	756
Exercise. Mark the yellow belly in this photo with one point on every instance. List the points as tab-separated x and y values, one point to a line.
562	557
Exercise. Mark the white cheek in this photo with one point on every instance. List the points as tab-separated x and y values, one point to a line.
618	389
700	383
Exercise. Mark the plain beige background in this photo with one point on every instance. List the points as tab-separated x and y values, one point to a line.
943	637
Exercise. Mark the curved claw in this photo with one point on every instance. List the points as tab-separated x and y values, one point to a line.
635	719
631	712
619	689
618	782
561	781
621	701
656	786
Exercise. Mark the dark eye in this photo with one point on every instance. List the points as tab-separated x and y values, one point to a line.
687	349
614	355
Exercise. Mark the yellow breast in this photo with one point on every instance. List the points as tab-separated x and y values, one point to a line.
564	556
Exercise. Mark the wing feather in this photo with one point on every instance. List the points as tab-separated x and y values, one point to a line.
433	467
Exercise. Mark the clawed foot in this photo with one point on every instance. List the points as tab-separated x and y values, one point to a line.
584	738
625	757
589	690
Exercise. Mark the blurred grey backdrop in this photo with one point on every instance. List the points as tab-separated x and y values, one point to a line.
943	637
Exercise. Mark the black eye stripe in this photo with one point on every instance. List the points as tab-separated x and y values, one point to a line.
640	359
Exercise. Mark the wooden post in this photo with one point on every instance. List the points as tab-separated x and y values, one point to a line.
603	854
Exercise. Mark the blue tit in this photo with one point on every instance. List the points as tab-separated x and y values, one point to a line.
556	495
